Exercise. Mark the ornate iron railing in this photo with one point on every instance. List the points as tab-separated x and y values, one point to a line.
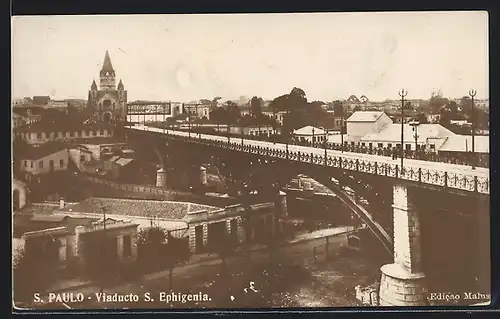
450	176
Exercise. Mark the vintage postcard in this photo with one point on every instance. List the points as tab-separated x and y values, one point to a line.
250	161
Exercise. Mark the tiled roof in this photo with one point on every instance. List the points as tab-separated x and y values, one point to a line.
138	207
463	143
365	116
41	150
392	133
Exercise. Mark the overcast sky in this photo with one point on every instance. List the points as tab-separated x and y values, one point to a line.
189	57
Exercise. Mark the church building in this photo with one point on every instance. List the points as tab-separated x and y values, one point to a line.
108	103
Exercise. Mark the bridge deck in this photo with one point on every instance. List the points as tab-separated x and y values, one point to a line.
442	174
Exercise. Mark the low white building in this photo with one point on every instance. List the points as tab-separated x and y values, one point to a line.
361	123
44	158
310	134
429	136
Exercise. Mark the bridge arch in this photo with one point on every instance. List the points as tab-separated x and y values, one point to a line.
267	175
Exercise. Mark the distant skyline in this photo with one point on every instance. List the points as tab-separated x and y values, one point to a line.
190	57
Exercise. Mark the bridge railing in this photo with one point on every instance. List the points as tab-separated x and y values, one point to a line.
426	174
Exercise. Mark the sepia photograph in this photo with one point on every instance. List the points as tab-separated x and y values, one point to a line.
250	161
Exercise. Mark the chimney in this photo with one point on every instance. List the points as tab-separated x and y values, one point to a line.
61	204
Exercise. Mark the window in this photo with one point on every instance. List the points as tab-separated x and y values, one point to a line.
352	143
59	134
61	162
363	144
127	246
82	158
389	145
39	135
77	134
25	163
380	145
432	146
51	164
408	147
70	134
398	146
40	164
31	164
370	145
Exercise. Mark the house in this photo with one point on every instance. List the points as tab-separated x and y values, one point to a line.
50	131
41	100
20	118
197	109
124	169
197	223
361	123
61	237
430	136
310	133
18	194
460	146
43	158
433	118
278	115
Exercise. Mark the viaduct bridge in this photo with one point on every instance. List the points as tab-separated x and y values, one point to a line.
411	190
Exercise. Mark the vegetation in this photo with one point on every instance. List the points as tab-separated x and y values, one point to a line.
157	249
33	272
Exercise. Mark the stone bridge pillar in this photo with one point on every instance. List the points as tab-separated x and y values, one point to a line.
403	282
161	177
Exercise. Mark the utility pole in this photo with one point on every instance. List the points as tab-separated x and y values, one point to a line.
342	126
415	136
103	248
403	93
472	94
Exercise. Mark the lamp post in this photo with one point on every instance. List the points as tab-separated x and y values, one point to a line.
342	127
324	142
403	93
313	137
472	94
415	135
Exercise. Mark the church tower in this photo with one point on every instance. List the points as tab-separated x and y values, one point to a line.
108	103
107	74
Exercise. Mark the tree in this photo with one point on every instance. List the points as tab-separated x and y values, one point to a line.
224	247
421	118
337	108
32	272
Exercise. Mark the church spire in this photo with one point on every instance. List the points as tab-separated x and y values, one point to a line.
107	66
93	86
120	85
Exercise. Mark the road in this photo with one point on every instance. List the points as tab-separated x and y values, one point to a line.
409	163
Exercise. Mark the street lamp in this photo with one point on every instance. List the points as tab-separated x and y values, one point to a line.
313	137
415	135
324	142
342	127
403	93
472	94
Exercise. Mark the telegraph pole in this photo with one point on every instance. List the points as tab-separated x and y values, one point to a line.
472	94
342	127
403	93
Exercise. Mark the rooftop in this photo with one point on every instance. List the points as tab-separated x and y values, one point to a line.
392	133
365	116
41	150
308	130
463	143
123	161
138	207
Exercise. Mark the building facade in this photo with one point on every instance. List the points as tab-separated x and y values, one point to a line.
365	122
108	103
44	159
39	133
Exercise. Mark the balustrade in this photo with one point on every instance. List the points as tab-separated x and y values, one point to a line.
440	177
